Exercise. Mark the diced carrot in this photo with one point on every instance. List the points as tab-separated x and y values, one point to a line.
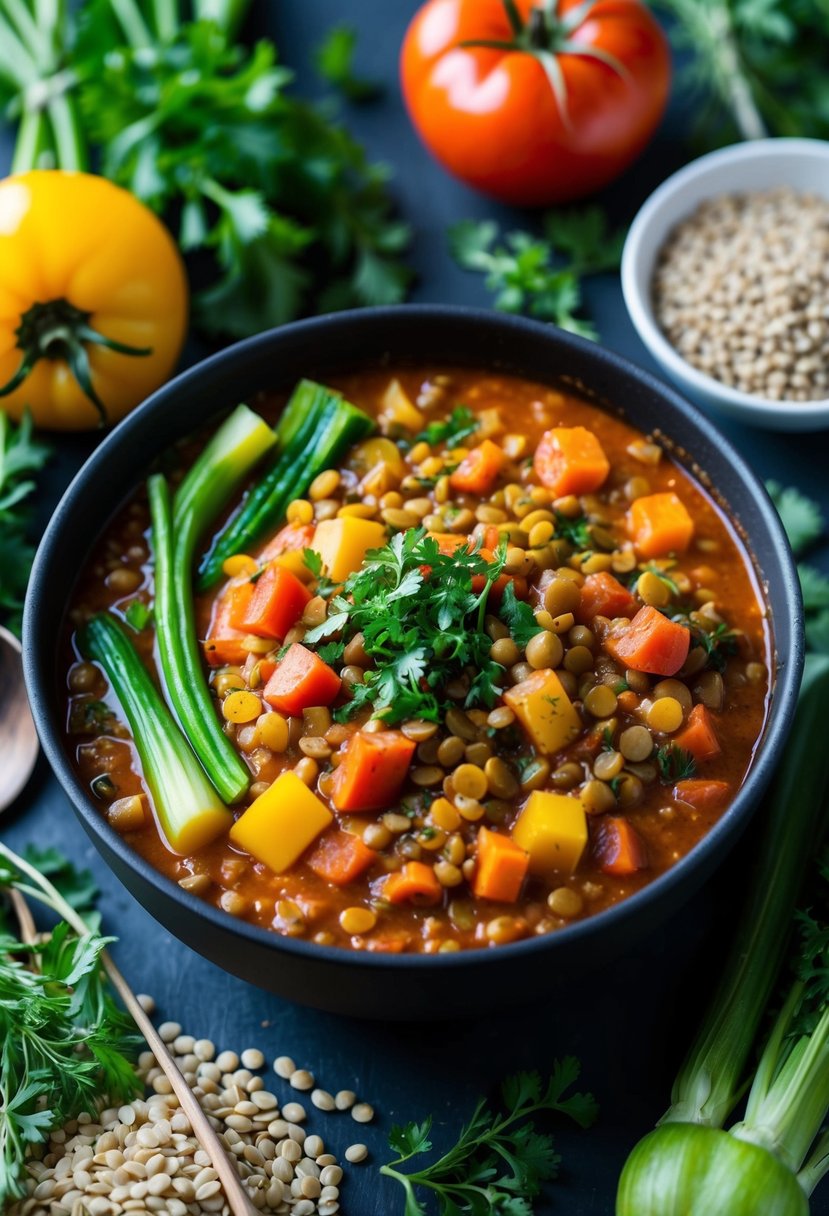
416	883
604	595
277	603
501	866
301	680
651	643
701	794
340	857
660	524
619	849
372	770
479	469
699	737
223	644
290	539
492	538
570	460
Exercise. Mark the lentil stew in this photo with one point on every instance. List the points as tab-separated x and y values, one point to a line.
501	665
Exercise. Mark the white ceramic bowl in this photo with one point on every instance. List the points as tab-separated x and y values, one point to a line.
761	164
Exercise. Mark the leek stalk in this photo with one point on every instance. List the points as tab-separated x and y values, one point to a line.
189	812
176	528
315	429
688	1166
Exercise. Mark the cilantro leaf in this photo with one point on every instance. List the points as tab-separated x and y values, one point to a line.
518	616
801	517
540	275
500	1160
575	529
460	424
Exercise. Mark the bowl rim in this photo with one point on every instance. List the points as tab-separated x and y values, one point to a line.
637	247
787	670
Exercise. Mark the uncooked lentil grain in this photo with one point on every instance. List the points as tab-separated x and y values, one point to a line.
741	292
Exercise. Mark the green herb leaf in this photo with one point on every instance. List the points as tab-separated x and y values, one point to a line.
334	60
802	517
540	276
20	454
574	529
518	616
499	1161
460	424
675	764
138	615
815	587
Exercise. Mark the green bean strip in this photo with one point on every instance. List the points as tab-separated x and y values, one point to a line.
226	460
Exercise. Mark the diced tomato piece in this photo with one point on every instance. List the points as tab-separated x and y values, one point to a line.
619	849
651	643
340	857
276	604
372	771
301	680
604	595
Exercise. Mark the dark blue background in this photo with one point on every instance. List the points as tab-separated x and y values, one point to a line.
629	1024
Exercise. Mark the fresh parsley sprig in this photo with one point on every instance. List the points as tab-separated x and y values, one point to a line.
63	1041
20	455
540	275
452	431
421	616
334	60
500	1160
675	764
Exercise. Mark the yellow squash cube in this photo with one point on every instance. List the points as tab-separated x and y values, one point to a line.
279	826
552	828
343	543
545	711
398	410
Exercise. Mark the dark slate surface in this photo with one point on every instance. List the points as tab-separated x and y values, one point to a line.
627	1024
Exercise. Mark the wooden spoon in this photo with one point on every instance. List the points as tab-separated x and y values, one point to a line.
18	738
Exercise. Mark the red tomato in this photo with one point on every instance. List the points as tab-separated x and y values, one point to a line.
568	98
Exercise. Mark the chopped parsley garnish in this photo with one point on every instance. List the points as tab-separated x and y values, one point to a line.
313	562
659	572
675	764
718	645
422	623
575	530
518	616
460	424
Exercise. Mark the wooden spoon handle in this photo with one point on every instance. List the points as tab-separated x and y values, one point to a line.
235	1193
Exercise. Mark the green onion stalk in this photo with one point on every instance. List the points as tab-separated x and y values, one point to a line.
177	526
770	1162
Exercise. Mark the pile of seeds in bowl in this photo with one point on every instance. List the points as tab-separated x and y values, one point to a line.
741	290
143	1158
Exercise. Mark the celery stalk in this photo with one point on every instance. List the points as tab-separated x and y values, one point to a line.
189	812
225	461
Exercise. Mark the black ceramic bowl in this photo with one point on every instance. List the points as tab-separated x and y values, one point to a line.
377	985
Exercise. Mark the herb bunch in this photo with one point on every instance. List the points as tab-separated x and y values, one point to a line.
421	615
286	211
541	275
20	455
758	66
63	1040
500	1160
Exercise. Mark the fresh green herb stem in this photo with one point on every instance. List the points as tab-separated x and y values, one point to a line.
188	809
711	1080
316	428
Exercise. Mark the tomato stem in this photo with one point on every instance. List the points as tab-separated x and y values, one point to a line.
514	17
59	330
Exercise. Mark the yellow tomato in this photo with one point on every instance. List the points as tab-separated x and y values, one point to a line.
93	300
